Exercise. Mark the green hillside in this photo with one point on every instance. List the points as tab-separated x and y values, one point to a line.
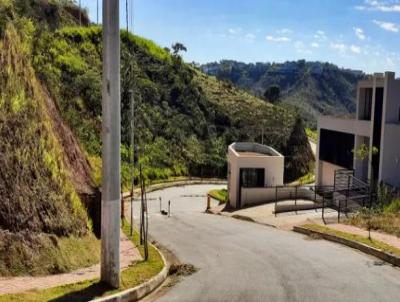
312	87
184	119
50	127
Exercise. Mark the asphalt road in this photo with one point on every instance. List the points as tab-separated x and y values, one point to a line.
243	261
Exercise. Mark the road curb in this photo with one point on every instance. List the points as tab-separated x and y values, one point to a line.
392	259
142	290
179	183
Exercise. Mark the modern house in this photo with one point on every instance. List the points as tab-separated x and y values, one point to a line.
252	167
377	126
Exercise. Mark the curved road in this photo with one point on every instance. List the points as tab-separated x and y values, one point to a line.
242	261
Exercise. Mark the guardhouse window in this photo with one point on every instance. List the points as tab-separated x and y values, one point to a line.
253	177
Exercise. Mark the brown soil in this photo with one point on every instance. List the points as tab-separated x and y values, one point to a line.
74	158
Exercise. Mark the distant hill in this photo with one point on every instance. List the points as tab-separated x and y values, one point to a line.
312	87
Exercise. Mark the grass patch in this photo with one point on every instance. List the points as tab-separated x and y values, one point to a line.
312	134
220	195
357	238
88	290
45	254
309	178
382	221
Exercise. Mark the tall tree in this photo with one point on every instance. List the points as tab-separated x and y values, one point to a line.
177	48
273	93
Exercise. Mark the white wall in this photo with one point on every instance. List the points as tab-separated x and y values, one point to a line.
389	169
352	126
233	181
326	175
254	196
390	155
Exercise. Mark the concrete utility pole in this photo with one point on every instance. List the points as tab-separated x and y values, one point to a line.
97	11
111	136
80	13
133	154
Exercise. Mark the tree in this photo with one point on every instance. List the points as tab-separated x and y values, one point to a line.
362	153
273	94
178	47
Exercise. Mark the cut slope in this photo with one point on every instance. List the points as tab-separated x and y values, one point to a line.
39	202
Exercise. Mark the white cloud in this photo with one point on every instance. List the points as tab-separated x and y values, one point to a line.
278	39
249	37
238	33
284	31
234	31
315	45
320	35
301	48
378	5
387	26
355	49
345	49
342	48
359	33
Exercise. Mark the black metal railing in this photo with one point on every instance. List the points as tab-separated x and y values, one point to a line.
346	195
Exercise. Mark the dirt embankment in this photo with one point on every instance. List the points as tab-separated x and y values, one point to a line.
74	158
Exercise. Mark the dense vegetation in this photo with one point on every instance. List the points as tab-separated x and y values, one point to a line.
50	126
184	119
312	87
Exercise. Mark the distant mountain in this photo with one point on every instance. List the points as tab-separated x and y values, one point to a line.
312	87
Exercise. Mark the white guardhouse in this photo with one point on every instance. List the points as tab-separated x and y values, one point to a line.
252	167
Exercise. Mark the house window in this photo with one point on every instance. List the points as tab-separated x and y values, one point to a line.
336	148
253	178
367	108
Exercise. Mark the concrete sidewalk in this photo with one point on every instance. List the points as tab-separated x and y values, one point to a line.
129	254
264	214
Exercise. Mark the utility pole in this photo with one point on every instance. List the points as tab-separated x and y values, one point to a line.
80	13
133	154
97	12
127	16
111	137
262	135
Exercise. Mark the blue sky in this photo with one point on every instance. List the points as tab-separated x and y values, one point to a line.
359	34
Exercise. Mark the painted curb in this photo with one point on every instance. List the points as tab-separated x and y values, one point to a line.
142	290
390	258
